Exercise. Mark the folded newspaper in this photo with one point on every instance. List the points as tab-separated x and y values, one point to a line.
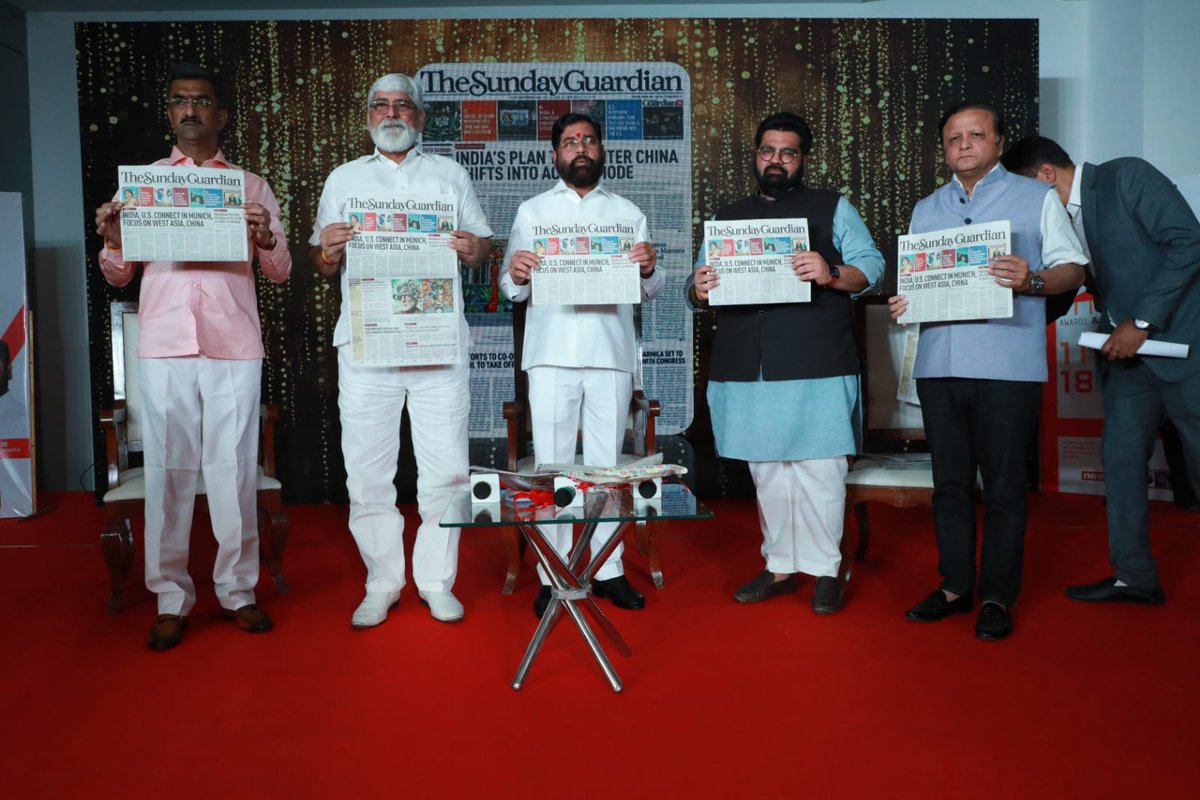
946	274
753	258
543	477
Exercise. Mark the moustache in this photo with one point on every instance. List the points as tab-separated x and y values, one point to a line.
185	120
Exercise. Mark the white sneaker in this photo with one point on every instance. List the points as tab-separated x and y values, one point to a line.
443	606
374	609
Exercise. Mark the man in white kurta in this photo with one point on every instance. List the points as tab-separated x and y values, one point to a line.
579	358
371	399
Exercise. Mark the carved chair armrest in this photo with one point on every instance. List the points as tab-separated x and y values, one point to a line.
269	415
515	414
111	419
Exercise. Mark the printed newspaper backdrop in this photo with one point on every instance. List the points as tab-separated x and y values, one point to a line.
871	89
495	120
753	258
945	273
182	213
1073	412
16	448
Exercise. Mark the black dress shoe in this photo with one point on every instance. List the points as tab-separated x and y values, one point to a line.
994	622
249	618
936	606
167	631
620	592
764	587
541	602
1107	591
829	595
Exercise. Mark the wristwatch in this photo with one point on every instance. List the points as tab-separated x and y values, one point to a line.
834	274
1142	325
1036	283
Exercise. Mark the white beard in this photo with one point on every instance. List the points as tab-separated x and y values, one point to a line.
393	136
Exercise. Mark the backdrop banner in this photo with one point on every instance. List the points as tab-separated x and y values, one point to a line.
16	448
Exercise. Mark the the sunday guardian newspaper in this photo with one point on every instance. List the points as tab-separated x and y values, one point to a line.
182	213
585	263
403	277
753	258
494	119
944	274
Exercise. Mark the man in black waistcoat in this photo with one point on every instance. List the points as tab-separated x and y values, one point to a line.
784	377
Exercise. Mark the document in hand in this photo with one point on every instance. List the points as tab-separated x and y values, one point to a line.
753	258
182	213
944	274
585	263
1151	347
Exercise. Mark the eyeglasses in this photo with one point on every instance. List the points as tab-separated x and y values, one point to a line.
399	106
199	102
786	154
571	145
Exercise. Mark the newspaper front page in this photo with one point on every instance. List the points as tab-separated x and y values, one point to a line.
753	258
495	118
404	281
585	263
944	274
182	213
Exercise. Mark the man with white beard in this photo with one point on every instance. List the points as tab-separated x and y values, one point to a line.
371	398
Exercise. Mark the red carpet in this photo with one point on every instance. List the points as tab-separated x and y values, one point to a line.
721	700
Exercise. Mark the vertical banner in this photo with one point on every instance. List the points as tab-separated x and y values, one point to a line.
495	118
1073	412
16	464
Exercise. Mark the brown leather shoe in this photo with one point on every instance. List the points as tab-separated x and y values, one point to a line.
167	631
250	618
764	586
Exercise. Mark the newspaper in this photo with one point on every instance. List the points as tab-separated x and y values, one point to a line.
944	274
182	214
405	302
585	263
753	258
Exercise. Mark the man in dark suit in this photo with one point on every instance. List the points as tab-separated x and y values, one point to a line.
1143	241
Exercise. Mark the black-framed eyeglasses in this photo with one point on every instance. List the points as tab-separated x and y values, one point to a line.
571	145
199	102
399	106
786	154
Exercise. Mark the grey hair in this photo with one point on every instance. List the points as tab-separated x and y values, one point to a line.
396	82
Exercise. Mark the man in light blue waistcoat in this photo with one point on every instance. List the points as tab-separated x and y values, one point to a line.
980	381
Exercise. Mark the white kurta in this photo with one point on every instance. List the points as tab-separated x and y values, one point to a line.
578	358
371	398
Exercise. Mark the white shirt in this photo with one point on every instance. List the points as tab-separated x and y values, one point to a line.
1075	210
600	336
419	174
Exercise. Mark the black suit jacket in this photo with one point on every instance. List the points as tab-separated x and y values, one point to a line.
1145	247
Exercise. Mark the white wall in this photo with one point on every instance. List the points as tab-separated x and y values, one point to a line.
1096	100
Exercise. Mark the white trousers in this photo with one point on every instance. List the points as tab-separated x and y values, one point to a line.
371	400
201	415
556	396
801	507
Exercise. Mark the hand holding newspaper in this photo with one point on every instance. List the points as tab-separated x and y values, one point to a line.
945	274
404	281
753	258
585	263
182	213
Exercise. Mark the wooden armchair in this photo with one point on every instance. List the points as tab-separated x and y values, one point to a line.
890	470
124	499
642	414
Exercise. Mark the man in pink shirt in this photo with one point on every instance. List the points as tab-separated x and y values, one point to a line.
200	359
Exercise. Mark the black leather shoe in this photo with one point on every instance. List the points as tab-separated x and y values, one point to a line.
994	622
936	606
620	592
764	587
1107	591
167	631
829	595
541	602
249	618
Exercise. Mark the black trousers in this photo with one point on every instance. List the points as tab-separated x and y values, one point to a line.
983	427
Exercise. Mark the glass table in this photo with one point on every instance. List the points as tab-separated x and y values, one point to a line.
571	580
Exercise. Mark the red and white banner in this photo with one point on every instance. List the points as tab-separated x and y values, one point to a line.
16	450
1073	412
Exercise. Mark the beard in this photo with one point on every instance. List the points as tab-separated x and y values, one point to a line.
580	171
774	179
393	136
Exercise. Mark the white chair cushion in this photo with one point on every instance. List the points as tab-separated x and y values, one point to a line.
133	485
869	473
526	465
